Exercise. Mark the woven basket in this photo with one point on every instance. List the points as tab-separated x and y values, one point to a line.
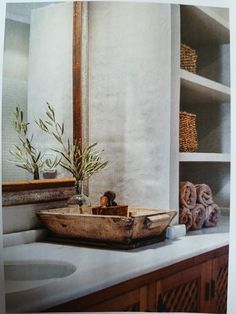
188	58
187	132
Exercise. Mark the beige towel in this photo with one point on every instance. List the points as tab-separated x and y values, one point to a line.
199	217
212	215
204	194
185	217
187	195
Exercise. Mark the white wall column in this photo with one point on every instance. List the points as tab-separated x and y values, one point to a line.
129	100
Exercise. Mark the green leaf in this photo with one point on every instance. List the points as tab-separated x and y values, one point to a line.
49	115
17	112
67	168
57	137
51	110
49	123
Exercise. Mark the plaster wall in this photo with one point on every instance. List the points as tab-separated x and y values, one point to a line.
23	217
50	70
129	100
15	75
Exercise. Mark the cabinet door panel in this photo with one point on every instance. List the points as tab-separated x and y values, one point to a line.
133	301
220	283
185	291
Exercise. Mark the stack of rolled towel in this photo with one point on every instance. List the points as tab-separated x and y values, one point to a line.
197	208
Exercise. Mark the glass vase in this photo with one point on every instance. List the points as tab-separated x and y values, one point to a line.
36	173
80	200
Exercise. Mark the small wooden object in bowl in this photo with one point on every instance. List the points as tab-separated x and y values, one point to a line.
118	210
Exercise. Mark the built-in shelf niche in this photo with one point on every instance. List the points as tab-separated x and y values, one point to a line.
212	124
208	33
207	94
215	174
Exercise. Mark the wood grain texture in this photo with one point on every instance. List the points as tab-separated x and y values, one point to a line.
35	196
134	287
24	185
125	302
220	284
77	84
71	223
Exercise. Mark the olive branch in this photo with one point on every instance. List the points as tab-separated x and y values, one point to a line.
26	155
82	163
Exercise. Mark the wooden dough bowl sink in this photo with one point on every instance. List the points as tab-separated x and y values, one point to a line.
141	226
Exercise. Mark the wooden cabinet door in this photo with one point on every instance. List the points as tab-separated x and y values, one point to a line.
133	301
185	291
109	300
219	284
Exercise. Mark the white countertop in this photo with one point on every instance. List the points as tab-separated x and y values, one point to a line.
97	269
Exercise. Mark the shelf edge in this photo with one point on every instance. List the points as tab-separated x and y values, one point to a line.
202	81
204	157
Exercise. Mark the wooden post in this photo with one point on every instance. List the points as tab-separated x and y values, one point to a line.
77	89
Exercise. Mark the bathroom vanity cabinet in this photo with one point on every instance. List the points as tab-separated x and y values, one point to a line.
197	284
200	288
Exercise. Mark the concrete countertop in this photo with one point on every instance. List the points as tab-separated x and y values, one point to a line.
97	269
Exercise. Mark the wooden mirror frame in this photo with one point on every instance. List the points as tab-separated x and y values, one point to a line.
15	192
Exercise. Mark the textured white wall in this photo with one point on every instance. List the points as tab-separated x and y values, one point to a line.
15	75
129	100
50	68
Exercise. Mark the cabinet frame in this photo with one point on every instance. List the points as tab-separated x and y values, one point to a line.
142	289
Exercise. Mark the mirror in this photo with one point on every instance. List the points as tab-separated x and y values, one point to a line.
40	65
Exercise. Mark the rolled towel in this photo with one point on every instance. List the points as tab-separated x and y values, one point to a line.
199	217
212	215
185	217
187	195
204	194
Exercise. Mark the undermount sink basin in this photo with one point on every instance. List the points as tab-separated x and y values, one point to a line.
27	271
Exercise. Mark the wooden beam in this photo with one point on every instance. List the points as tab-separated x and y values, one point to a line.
15	198
26	185
77	82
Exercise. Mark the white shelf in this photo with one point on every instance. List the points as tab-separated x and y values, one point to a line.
199	90
204	157
205	25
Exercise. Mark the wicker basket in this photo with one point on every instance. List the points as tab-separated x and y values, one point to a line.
187	132
188	58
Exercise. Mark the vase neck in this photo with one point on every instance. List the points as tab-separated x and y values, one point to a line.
79	187
36	173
